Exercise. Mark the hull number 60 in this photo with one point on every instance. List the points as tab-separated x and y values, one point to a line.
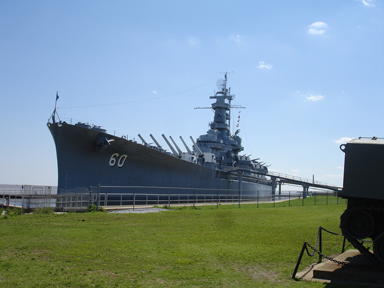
116	158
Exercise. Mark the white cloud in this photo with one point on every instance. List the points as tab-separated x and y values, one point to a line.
309	96
317	28
316	31
314	98
154	92
343	140
367	2
193	41
262	65
235	38
318	25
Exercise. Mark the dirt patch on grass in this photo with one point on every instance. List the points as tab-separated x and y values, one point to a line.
260	274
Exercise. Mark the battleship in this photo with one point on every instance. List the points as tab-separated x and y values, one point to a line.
88	156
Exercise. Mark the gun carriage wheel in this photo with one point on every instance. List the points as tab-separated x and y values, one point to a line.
358	223
378	247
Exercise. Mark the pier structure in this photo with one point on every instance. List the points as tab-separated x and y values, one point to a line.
278	179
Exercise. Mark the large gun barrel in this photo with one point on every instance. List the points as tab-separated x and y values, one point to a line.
185	145
170	146
177	147
142	139
157	143
199	153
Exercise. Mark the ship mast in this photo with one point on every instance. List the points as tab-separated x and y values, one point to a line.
222	109
218	139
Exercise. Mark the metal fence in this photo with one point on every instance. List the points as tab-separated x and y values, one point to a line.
28	200
138	197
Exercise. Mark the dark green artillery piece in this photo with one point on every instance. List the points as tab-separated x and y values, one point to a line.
363	186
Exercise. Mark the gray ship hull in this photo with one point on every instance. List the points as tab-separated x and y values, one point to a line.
127	163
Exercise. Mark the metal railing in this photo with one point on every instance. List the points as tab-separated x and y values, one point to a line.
138	196
74	121
318	248
27	200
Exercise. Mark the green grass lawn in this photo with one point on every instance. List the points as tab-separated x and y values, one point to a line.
203	247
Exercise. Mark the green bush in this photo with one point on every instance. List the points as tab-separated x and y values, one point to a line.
14	211
44	210
93	208
10	211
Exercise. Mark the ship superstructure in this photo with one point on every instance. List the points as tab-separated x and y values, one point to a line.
218	146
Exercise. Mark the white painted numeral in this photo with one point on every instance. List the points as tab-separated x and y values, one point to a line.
112	161
120	161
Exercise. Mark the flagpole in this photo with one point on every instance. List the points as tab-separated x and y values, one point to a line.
54	111
57	97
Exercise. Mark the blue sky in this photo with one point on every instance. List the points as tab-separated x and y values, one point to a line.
310	74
